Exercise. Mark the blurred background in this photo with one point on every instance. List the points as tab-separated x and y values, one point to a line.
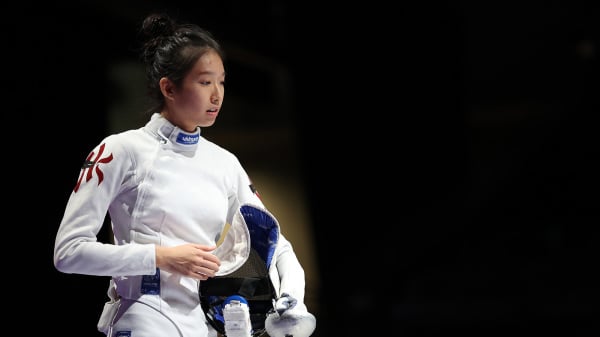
434	164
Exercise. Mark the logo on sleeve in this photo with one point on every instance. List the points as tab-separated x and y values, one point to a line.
254	190
92	165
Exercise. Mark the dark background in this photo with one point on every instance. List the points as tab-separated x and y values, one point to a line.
449	151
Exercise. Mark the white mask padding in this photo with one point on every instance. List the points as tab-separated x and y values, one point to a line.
251	227
235	246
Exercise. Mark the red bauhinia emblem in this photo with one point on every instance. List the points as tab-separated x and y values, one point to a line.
90	165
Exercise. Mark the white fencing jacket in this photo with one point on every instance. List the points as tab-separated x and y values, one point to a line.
161	186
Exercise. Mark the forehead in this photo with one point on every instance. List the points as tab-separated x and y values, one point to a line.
209	63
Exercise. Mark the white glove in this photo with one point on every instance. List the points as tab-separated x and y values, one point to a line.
284	303
290	319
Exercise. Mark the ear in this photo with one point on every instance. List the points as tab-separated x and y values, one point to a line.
166	87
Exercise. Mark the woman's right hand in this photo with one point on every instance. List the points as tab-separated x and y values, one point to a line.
190	259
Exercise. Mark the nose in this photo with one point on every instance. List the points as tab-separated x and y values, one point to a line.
215	98
217	94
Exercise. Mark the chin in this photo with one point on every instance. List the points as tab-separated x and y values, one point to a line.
206	124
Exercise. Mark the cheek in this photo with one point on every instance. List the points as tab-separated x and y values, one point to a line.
191	99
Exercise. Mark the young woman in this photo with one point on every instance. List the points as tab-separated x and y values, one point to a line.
169	193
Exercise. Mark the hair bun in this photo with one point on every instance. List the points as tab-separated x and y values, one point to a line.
158	25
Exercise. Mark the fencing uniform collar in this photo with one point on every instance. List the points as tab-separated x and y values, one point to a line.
167	133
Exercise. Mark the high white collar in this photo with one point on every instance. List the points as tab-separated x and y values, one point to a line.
169	134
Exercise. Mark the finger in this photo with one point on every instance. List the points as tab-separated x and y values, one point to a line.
212	258
209	263
206	271
199	276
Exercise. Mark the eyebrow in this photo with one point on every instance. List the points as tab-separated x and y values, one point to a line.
210	73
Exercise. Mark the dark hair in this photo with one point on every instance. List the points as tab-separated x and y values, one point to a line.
170	50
